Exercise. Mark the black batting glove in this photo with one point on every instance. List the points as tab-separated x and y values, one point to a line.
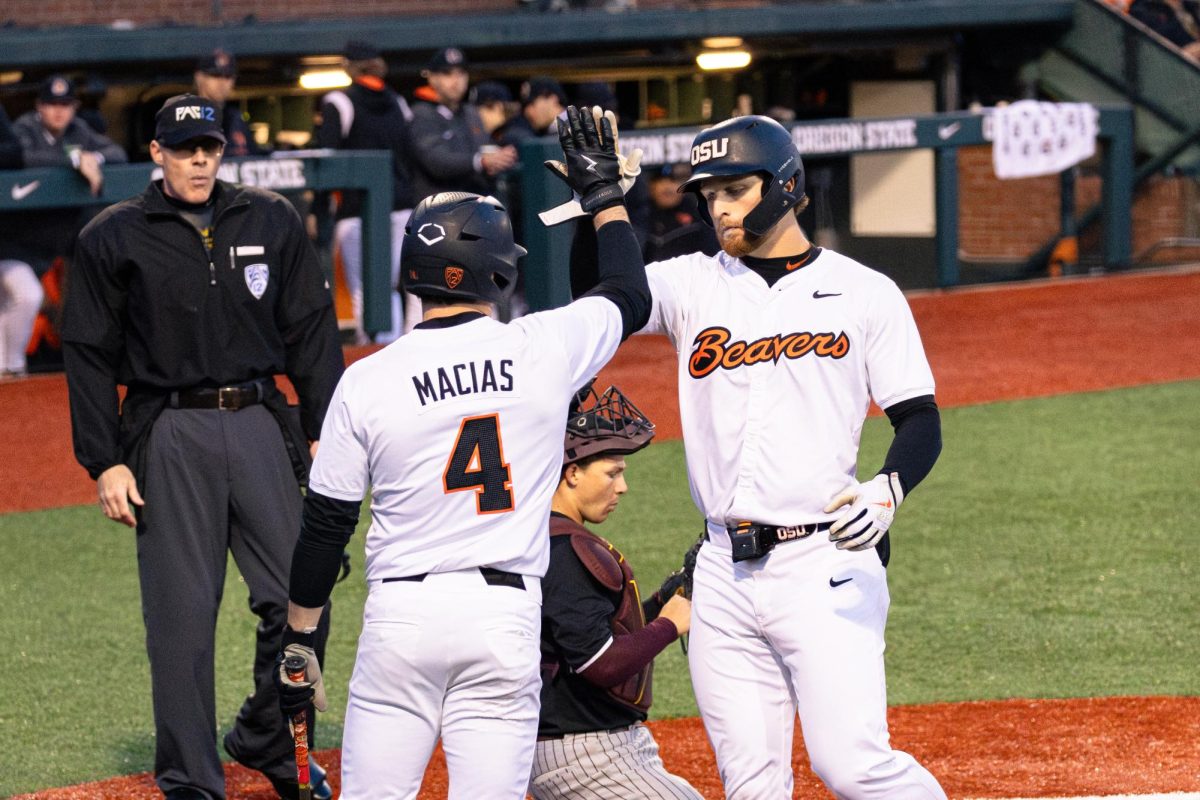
590	165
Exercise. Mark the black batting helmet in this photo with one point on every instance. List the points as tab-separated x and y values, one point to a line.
459	246
603	425
746	145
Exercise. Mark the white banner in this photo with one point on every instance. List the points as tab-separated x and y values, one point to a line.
1035	138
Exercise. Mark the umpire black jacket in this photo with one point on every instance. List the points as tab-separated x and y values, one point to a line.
147	307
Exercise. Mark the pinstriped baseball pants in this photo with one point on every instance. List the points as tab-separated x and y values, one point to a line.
620	765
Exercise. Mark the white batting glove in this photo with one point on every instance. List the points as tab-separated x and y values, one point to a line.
631	167
872	507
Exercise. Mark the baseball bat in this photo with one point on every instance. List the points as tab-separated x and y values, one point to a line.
295	667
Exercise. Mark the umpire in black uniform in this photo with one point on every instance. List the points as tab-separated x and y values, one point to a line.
193	295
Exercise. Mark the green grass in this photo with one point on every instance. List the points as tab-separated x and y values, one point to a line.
1051	553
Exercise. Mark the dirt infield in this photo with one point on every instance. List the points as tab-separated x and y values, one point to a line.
985	345
1016	748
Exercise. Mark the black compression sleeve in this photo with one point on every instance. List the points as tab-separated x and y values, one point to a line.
918	440
325	529
623	275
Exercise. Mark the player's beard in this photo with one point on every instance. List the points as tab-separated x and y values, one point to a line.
736	241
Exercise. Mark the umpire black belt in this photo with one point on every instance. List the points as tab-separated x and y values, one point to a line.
754	539
493	577
225	398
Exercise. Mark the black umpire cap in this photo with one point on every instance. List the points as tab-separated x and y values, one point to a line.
185	117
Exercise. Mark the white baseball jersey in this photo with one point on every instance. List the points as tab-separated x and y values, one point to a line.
457	431
775	382
774	386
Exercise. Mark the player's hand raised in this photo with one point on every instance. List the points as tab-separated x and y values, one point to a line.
590	165
872	507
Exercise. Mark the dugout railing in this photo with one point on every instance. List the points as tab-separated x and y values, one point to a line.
286	171
547	278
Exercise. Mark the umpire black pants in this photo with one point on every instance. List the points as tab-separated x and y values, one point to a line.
215	481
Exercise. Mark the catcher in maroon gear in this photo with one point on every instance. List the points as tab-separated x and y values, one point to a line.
599	638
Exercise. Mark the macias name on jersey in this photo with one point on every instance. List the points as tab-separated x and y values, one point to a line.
711	349
473	377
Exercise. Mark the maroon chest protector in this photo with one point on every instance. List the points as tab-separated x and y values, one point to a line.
606	564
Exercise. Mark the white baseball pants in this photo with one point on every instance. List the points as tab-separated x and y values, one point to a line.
347	238
20	299
774	636
449	657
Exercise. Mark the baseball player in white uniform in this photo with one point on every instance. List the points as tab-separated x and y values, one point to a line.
456	432
782	346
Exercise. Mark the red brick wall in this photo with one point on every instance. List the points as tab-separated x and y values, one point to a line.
200	12
1011	219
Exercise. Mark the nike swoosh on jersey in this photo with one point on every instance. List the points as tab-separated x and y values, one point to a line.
817	295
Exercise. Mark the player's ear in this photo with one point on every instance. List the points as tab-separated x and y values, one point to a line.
571	475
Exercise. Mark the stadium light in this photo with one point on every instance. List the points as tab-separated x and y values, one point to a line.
722	59
324	79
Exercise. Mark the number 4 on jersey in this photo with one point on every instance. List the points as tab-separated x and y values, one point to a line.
477	462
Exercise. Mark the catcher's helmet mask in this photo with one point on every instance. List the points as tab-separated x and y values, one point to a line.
459	246
604	424
744	146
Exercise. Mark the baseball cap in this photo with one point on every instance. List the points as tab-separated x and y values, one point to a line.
184	117
218	63
596	93
57	89
489	92
542	86
446	59
358	50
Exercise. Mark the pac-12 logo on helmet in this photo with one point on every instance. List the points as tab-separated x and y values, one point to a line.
717	148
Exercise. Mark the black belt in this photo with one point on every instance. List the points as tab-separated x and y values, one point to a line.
492	577
551	737
755	540
225	398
